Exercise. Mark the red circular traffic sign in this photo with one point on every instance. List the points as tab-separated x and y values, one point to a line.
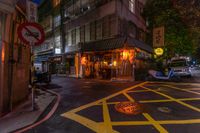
31	33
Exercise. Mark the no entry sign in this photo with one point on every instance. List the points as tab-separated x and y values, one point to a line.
31	33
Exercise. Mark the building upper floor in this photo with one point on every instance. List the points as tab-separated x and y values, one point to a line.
77	12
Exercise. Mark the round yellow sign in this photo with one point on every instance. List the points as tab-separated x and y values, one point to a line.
159	51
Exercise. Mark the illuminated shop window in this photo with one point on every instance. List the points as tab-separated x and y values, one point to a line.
132	6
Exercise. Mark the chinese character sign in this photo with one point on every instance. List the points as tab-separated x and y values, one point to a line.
31	11
158	37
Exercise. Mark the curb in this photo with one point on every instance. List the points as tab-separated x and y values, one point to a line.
45	118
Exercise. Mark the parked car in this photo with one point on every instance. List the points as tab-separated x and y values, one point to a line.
180	67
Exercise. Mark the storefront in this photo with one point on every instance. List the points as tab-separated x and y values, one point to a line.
116	58
56	65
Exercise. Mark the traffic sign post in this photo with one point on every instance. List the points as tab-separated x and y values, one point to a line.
32	34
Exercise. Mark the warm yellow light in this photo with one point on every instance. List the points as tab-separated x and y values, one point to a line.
3	55
125	54
83	61
105	63
159	51
115	63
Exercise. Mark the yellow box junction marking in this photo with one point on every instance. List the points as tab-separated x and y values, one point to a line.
149	118
106	125
155	123
174	99
104	128
173	87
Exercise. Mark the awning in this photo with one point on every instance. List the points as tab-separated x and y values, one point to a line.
139	44
114	43
103	45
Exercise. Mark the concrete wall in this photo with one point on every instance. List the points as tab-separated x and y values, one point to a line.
95	14
14	70
4	92
123	11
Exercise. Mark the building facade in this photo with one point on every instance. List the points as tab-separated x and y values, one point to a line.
104	38
49	54
14	57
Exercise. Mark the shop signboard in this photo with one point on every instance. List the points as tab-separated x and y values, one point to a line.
158	37
159	51
31	8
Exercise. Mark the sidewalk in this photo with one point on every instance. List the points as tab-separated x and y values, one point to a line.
24	116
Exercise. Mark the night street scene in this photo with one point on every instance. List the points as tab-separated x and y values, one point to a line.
99	66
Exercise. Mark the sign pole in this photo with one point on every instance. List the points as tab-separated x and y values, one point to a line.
32	76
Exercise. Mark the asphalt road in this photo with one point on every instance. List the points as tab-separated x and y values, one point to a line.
88	106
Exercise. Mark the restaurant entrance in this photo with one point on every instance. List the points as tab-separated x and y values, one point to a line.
108	65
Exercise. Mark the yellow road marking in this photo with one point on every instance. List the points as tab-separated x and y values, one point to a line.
172	83
127	123
106	127
176	100
106	98
173	87
139	91
158	101
106	117
169	100
84	121
193	121
155	123
129	97
148	117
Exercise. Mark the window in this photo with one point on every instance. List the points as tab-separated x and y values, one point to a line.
106	27
92	31
69	38
57	42
57	45
132	6
77	35
57	20
74	37
99	29
113	25
82	34
87	32
56	2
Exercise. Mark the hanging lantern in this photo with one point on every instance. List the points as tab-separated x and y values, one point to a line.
83	61
125	54
132	56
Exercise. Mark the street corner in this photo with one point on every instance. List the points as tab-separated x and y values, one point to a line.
161	112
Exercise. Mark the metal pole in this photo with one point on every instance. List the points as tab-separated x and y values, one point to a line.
32	76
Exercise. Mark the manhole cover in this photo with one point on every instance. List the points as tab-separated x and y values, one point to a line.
164	109
130	108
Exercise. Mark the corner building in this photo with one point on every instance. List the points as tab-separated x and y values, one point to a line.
104	39
14	56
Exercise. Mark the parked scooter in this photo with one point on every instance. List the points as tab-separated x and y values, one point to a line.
157	75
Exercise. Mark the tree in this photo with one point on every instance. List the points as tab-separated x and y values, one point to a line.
177	38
